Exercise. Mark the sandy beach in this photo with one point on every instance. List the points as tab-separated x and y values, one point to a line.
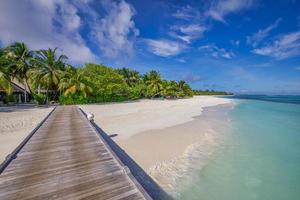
163	136
128	119
16	123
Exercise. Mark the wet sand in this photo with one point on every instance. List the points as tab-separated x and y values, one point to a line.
168	154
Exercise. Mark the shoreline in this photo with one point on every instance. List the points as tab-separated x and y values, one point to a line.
166	138
168	155
127	119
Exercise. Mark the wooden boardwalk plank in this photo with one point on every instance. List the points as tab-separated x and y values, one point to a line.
66	159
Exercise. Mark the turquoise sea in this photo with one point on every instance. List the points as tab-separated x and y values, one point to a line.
259	158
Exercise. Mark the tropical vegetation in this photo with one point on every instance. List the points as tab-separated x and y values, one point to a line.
48	77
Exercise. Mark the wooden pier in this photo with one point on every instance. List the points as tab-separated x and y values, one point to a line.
66	159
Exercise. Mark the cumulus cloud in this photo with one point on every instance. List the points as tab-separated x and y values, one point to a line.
259	36
283	46
164	48
44	24
116	31
216	51
219	9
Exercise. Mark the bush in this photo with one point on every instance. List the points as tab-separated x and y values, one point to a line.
9	98
73	99
39	98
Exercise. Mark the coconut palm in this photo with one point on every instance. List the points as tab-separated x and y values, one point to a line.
153	82
131	77
48	68
170	89
74	81
185	88
5	79
20	57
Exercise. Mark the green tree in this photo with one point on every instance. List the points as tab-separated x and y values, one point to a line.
20	57
170	89
5	79
131	77
153	82
73	81
48	69
107	82
185	88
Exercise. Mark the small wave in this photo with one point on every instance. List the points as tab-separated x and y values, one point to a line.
170	174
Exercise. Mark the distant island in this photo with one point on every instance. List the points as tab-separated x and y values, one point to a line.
44	76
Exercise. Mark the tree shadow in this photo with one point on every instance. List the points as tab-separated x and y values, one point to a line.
152	188
21	108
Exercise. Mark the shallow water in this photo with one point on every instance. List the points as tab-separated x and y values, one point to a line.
259	157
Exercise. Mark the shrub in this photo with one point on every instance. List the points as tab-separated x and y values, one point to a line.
39	98
73	99
9	98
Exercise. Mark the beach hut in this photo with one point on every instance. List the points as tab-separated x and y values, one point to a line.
20	93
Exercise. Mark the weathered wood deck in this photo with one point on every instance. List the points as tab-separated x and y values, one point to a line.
66	159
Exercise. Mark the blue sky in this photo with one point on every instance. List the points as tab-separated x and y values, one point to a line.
244	46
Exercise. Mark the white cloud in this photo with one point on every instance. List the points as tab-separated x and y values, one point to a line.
44	24
191	77
189	32
216	52
116	32
220	8
186	13
181	60
284	46
164	48
197	21
257	37
235	42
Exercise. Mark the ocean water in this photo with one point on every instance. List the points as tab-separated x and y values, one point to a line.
259	157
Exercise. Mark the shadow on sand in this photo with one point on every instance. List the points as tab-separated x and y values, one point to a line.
152	188
21	107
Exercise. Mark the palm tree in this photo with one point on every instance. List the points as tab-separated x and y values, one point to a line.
154	83
74	81
185	88
170	89
48	68
5	79
21	58
135	77
132	77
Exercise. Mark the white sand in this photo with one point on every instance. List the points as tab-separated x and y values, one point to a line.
165	136
127	119
15	124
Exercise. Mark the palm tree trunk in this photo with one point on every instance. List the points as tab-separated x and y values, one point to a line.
39	89
26	82
46	99
25	94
